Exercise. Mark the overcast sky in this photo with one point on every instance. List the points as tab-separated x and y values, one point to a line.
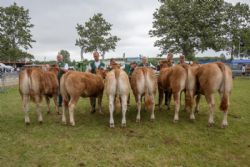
55	22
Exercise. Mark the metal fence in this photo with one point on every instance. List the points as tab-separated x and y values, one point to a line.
8	79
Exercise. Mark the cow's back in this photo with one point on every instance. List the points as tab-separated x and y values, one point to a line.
178	78
83	84
117	82
24	83
210	78
50	83
163	78
143	79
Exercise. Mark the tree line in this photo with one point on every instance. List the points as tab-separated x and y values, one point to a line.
180	26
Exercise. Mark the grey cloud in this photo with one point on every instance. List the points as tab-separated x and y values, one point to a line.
55	22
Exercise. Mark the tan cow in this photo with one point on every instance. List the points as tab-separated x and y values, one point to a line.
175	80
211	78
144	82
163	90
117	86
35	83
80	84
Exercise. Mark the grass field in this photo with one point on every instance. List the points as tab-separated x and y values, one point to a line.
92	143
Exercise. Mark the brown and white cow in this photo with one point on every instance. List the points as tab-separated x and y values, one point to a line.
162	89
36	83
211	78
175	80
144	82
117	87
80	84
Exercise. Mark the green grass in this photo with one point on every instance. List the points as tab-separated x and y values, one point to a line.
92	143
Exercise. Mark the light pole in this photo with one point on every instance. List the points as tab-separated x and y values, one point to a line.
239	49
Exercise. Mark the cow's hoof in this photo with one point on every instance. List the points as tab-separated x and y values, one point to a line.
223	126
58	113
111	125
175	121
92	111
210	124
123	125
196	111
48	112
40	122
192	120
101	113
27	123
138	120
152	119
72	123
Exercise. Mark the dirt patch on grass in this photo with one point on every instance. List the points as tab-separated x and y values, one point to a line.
169	140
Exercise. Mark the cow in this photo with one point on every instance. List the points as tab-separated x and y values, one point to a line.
144	82
175	80
162	90
36	83
76	84
117	88
211	78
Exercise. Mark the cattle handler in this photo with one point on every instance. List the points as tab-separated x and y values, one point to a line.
96	64
63	67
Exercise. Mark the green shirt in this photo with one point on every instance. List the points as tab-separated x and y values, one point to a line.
141	65
61	72
93	67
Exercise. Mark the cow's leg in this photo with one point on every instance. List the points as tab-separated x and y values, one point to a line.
56	104
111	110
92	103
225	99
189	103
38	109
161	93
128	104
72	104
152	117
124	109
197	101
138	117
64	107
168	96
25	99
100	104
177	106
211	104
48	103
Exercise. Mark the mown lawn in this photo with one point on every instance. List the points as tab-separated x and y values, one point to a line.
92	143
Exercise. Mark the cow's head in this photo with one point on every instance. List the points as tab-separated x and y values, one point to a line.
54	68
115	66
165	64
101	72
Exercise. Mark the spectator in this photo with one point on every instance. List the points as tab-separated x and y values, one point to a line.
63	67
243	69
144	63
182	59
96	64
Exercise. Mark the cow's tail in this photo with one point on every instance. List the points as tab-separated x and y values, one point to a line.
148	85
189	86
117	93
30	86
63	90
225	93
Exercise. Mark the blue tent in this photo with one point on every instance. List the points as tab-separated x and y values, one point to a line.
244	61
